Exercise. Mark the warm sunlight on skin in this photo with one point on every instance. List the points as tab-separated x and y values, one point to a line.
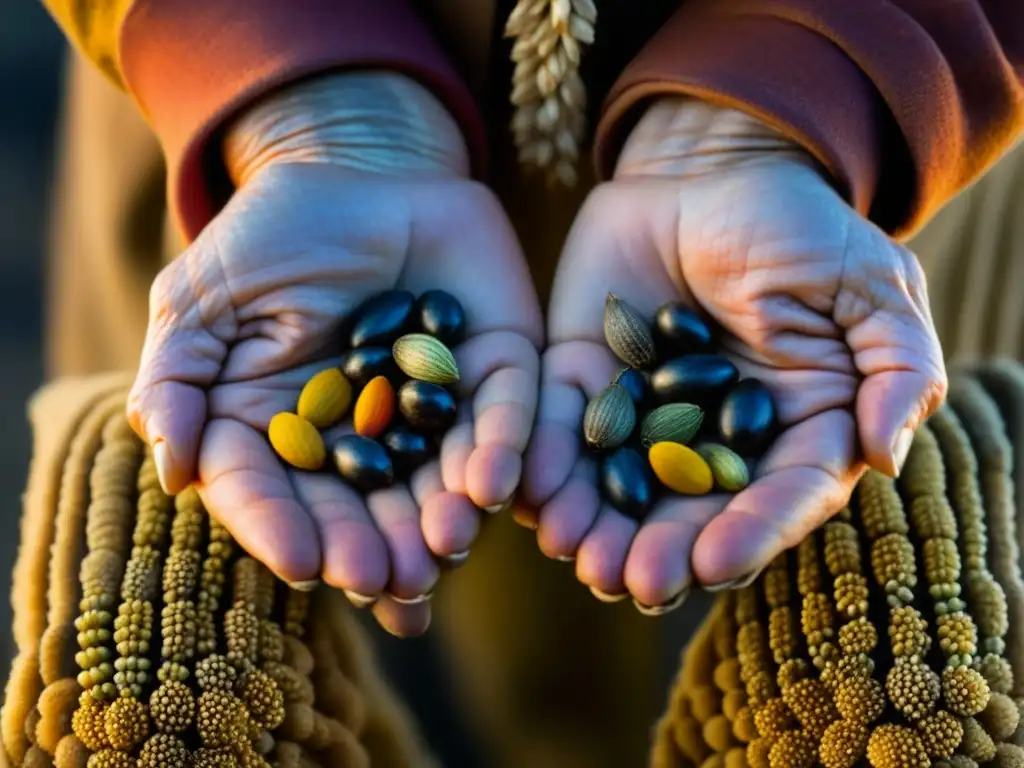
709	207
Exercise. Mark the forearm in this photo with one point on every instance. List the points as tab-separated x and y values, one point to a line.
904	103
193	65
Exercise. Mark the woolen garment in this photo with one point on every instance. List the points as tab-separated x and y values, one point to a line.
904	102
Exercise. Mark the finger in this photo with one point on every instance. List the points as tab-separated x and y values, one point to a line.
354	554
601	558
805	478
245	487
565	520
657	568
450	525
180	357
413	570
524	515
895	348
450	522
890	406
572	373
456	448
502	370
402	620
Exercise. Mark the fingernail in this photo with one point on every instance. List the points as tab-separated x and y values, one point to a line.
412	600
901	448
162	462
661	610
455	559
503	506
358	600
304	586
564	558
604	597
740	583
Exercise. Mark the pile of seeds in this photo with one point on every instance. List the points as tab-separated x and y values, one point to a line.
679	402
398	372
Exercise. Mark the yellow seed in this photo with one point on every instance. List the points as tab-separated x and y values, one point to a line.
297	441
325	398
680	468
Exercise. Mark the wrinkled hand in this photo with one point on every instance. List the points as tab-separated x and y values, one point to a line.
347	186
710	207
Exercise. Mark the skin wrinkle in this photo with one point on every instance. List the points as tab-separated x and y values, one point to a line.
374	111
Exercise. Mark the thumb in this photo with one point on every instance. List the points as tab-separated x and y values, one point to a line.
191	324
896	349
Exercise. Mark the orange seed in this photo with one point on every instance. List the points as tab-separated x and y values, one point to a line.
374	408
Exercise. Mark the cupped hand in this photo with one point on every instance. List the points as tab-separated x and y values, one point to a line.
711	208
242	319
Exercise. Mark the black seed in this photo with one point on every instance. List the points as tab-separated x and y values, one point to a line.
747	420
699	379
382	319
426	407
634	382
363	463
361	365
678	330
441	315
409	450
628	483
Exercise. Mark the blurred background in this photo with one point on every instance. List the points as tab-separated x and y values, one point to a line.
31	60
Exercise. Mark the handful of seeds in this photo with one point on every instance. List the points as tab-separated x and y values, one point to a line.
396	378
677	403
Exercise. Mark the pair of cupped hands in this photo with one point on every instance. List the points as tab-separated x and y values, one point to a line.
350	184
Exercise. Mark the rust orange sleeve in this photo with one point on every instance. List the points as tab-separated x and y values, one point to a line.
905	102
191	64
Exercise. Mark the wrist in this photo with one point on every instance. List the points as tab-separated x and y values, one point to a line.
682	136
370	122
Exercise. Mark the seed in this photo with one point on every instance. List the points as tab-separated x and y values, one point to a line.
325	398
441	315
427	407
678	330
381	319
627	483
409	450
702	379
673	423
296	441
680	468
728	468
363	463
361	365
374	408
425	358
609	419
628	333
747	419
635	382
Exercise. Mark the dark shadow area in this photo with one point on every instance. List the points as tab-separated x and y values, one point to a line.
31	50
